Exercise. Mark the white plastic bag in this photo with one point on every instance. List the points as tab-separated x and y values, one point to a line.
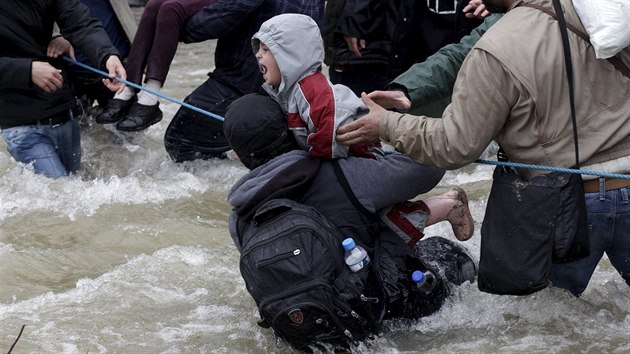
607	23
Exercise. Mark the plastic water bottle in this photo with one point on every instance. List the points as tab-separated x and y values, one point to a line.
424	281
356	256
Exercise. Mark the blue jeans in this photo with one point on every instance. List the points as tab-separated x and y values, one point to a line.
55	151
609	231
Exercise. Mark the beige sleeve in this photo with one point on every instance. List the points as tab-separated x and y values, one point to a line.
476	115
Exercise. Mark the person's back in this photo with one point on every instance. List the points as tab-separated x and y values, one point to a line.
526	42
510	89
191	135
344	192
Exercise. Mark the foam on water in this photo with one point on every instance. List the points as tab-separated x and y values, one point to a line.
112	174
133	256
138	302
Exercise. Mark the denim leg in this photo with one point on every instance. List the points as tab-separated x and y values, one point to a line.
574	276
619	249
53	151
68	139
32	144
609	224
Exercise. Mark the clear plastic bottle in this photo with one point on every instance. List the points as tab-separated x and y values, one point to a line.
424	281
356	256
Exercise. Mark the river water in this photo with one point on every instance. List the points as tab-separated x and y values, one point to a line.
133	256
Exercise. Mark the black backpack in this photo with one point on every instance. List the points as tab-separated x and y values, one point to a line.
292	263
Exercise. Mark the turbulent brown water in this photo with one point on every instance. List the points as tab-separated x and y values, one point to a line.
133	256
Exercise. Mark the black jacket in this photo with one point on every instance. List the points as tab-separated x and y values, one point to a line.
398	33
26	28
233	23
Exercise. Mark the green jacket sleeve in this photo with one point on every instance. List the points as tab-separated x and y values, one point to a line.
430	84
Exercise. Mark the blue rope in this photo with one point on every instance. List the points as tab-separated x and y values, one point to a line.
487	162
129	83
553	169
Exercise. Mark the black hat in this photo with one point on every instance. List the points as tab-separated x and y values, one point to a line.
256	129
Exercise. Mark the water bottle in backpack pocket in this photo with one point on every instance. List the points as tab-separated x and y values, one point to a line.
294	268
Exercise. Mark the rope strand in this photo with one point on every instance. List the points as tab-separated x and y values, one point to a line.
129	83
486	162
553	169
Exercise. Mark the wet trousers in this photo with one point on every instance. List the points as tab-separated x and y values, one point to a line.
54	151
609	232
192	135
157	37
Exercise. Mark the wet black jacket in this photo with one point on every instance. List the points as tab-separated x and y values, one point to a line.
398	33
26	28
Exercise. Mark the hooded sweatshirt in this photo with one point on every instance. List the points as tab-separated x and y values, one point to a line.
376	184
314	106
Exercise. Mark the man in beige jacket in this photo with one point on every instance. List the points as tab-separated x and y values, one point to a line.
512	87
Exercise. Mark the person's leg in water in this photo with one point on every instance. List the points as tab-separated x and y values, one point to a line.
54	151
408	219
192	135
451	260
608	221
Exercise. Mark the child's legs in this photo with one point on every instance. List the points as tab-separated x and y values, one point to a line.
172	16
143	41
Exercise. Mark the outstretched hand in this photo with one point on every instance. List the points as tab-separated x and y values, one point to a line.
390	99
116	69
364	130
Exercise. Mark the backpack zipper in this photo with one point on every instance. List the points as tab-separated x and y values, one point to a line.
277	258
326	242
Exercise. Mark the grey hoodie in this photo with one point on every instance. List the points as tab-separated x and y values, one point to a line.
377	184
315	107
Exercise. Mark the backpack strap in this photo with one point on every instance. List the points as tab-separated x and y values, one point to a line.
569	66
616	62
341	178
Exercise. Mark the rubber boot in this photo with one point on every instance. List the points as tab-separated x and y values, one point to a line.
452	206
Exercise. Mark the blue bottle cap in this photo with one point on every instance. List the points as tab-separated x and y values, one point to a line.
348	244
417	276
